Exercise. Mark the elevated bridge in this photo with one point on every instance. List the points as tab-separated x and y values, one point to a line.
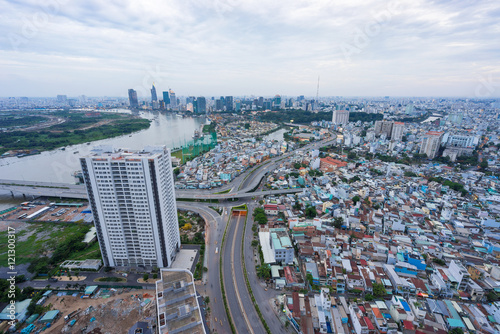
52	189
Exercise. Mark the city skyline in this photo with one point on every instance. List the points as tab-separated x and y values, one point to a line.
377	49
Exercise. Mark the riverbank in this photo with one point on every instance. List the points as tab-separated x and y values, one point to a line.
78	128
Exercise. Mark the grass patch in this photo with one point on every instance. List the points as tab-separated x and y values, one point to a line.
91	252
110	279
223	291
177	154
223	192
43	237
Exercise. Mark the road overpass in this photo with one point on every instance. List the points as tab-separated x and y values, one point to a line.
239	188
50	189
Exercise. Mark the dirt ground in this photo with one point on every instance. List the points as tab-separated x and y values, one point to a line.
68	216
17	225
113	315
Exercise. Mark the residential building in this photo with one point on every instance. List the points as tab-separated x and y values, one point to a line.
133	203
340	117
384	128
177	304
329	164
398	129
431	143
276	246
462	276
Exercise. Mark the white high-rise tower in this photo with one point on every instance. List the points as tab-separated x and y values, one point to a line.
133	202
340	117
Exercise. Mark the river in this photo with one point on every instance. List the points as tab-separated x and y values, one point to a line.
58	165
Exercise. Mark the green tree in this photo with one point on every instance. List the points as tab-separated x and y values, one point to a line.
378	290
483	164
310	278
337	222
264	271
255	243
491	297
247	126
310	212
145	277
456	331
356	199
259	216
440	262
369	297
177	171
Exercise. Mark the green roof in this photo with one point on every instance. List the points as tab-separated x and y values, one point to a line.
50	316
455	323
90	289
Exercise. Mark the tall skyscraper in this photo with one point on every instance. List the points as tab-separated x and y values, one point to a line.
229	103
219	104
173	99
153	94
132	98
398	129
133	202
340	117
431	143
201	104
277	102
166	98
261	102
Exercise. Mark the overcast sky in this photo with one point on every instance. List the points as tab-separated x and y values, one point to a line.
245	47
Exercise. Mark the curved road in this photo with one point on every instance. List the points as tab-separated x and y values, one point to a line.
210	283
241	308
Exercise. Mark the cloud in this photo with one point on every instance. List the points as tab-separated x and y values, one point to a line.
230	47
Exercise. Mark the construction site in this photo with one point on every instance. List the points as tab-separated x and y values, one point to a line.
107	311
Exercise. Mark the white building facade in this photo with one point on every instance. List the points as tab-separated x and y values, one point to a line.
340	117
132	198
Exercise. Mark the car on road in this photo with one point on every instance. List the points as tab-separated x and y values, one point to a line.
52	279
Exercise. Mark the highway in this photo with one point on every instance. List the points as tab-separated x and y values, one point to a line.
239	187
262	297
211	279
244	315
241	307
